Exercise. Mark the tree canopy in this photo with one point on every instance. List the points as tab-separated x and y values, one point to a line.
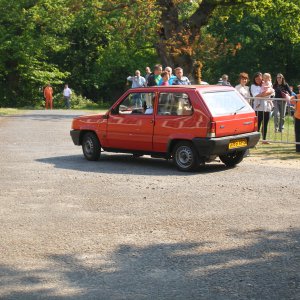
94	45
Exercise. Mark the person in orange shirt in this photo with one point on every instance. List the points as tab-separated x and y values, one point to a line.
48	94
297	120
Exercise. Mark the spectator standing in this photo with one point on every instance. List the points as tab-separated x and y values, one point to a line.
148	73
267	88
155	77
281	90
262	107
290	105
242	88
266	85
67	96
165	77
171	76
297	120
48	94
180	79
137	80
224	80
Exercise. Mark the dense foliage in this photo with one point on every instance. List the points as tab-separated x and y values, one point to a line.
94	45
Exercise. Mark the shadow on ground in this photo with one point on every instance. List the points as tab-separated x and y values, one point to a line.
267	268
44	117
126	164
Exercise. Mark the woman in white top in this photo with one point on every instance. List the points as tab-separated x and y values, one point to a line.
262	107
242	88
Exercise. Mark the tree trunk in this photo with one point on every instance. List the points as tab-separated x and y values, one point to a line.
178	39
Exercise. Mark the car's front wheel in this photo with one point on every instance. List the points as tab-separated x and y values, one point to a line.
90	146
185	156
232	159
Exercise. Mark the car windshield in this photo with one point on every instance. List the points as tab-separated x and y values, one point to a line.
225	103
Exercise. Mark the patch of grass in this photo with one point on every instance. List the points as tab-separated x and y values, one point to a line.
276	151
281	146
10	111
287	135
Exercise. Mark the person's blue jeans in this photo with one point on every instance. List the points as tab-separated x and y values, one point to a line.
137	100
279	114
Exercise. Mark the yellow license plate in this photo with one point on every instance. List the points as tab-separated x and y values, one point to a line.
237	144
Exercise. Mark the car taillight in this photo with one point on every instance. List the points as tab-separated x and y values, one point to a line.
255	123
212	130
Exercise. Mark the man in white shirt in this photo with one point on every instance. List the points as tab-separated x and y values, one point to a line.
137	80
67	96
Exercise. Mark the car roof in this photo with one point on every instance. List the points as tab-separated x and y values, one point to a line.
204	87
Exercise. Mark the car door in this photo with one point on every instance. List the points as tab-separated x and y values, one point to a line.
128	127
175	119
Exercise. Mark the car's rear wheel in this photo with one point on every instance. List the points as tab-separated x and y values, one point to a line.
90	146
232	159
185	156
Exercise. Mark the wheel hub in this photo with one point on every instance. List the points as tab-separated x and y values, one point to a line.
184	156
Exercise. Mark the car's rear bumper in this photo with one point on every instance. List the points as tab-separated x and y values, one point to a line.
75	134
219	146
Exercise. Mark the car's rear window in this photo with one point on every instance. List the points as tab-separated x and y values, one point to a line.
225	103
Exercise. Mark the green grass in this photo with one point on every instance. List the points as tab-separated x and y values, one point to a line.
10	111
276	151
288	134
281	146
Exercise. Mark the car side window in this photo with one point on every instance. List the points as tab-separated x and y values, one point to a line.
134	103
176	104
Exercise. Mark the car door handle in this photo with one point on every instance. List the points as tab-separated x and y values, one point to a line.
152	121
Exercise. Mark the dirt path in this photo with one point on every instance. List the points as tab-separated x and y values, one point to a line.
125	228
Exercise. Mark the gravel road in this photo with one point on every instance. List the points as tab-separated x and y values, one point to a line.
125	228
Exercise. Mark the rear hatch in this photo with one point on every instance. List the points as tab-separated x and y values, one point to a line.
231	114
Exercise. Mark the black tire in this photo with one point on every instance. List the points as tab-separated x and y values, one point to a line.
232	159
185	156
91	147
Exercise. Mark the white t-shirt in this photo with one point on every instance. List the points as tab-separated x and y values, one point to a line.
243	90
260	105
67	92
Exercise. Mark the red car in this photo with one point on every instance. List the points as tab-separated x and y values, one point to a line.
190	124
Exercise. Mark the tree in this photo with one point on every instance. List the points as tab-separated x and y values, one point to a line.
257	37
180	31
30	30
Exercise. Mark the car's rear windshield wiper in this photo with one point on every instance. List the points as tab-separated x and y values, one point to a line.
239	109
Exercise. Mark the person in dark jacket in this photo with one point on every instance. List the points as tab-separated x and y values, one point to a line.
282	90
155	77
